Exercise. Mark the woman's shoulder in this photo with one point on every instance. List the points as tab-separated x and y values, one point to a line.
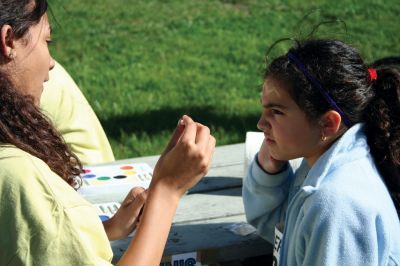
21	171
17	160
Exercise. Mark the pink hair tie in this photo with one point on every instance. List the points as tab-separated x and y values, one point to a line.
372	74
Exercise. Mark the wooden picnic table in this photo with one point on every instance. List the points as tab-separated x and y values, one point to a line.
207	213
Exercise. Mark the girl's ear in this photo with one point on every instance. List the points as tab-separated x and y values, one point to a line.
7	42
330	124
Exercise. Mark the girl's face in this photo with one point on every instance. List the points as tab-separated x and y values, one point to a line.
288	132
32	62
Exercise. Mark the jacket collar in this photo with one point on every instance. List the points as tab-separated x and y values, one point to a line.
353	141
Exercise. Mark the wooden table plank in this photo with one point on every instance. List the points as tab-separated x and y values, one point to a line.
212	239
210	205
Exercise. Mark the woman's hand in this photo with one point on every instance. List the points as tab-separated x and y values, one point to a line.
267	162
183	163
186	159
127	217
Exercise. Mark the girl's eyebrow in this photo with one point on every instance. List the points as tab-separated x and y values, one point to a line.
274	105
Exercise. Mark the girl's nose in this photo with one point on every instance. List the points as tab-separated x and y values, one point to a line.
263	124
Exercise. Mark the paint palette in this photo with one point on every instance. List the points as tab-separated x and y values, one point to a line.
113	182
117	174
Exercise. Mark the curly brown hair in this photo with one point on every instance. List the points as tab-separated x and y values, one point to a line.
21	122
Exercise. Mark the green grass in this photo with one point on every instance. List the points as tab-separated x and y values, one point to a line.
142	64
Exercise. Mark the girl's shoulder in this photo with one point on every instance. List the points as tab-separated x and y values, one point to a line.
352	189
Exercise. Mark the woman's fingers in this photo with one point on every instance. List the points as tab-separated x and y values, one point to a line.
175	136
182	166
124	220
208	153
133	193
211	148
184	132
136	207
202	137
189	134
134	210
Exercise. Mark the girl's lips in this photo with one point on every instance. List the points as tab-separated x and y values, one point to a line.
269	140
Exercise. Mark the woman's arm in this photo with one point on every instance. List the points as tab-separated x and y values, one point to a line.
184	162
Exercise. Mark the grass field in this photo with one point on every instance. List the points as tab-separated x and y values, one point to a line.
142	64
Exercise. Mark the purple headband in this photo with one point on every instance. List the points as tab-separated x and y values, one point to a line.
321	89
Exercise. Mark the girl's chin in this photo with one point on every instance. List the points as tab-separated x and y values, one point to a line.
279	157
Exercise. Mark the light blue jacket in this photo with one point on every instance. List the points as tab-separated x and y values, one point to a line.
339	212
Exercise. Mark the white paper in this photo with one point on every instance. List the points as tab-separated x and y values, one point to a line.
252	146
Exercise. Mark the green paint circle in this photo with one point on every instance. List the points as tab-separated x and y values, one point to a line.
103	178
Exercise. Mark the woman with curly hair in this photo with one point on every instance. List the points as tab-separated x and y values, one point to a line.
43	220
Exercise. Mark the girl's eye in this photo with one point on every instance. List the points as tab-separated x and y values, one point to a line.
276	112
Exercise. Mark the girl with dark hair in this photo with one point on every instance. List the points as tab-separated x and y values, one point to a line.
43	219
336	204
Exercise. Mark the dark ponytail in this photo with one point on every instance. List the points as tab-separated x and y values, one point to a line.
382	119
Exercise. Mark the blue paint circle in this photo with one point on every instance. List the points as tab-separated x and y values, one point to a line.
104	217
89	176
